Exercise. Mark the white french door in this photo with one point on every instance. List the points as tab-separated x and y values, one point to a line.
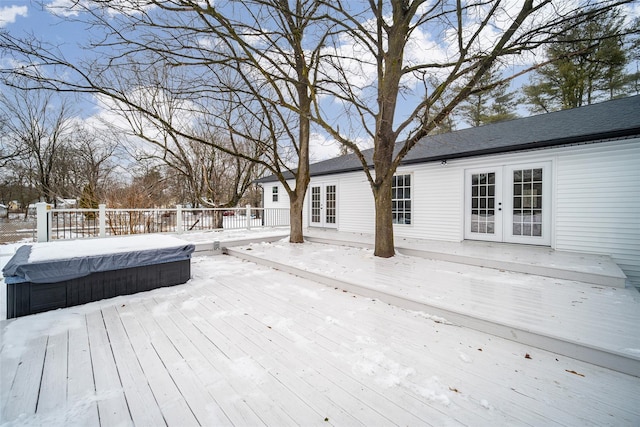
483	204
323	207
509	204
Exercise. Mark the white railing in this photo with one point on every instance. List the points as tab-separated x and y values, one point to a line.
58	224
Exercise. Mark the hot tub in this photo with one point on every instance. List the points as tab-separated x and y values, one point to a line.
47	276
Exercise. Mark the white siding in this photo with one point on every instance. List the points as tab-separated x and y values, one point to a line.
595	202
598	203
437	203
283	197
354	199
267	201
356	211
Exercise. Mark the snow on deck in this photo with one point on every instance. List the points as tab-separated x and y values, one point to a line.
241	344
595	323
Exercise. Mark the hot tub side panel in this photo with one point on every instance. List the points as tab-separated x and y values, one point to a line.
30	298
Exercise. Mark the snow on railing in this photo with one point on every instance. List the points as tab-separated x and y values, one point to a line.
58	224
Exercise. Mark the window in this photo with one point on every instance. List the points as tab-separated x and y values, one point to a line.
274	194
401	199
330	196
527	202
483	200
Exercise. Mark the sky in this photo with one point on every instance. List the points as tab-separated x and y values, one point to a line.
26	16
30	17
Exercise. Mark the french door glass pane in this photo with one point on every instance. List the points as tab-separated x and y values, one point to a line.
527	202
315	204
483	203
330	216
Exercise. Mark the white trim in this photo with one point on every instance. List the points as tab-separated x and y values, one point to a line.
411	199
547	204
503	208
496	235
323	203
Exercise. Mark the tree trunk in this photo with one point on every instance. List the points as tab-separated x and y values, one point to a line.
384	246
295	218
218	219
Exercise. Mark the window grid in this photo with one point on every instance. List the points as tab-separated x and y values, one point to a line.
483	197
401	199
330	215
527	202
274	194
315	204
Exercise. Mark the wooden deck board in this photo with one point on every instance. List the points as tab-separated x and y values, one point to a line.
348	336
554	310
295	371
112	405
246	345
22	395
289	410
207	360
195	393
140	399
53	386
332	372
554	378
81	389
170	400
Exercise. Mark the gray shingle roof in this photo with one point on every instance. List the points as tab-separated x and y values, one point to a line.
610	119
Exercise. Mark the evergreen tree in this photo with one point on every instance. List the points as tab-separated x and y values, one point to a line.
582	71
490	103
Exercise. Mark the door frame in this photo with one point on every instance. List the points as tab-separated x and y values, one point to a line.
324	207
545	238
496	236
504	197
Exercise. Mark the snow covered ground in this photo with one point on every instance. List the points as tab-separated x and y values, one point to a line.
241	344
119	244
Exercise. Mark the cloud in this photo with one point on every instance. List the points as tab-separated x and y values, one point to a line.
322	148
64	7
67	8
8	14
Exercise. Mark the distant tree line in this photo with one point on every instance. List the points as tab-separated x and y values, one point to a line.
587	62
48	154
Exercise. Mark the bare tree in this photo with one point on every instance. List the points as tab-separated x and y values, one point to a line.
9	150
476	36
94	161
265	45
38	127
206	174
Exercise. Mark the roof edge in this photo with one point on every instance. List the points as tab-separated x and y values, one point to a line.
594	137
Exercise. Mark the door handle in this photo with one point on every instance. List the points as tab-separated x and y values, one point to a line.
499	206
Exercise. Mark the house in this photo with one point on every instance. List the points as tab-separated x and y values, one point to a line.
569	180
62	203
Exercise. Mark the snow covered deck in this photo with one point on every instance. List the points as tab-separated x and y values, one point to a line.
538	260
242	344
590	322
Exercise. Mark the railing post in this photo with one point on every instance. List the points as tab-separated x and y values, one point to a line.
102	218
248	216
42	222
179	219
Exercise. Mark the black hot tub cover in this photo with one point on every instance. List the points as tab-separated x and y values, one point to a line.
54	262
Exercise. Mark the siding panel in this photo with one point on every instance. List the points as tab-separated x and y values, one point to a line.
596	199
437	203
598	203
